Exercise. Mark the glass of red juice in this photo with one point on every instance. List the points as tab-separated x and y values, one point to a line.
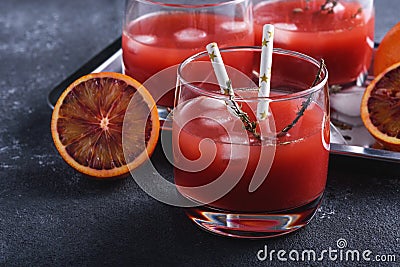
244	185
157	36
341	32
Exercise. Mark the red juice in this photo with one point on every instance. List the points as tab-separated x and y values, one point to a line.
344	38
157	41
299	167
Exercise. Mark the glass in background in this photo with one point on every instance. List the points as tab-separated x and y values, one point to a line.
341	32
159	35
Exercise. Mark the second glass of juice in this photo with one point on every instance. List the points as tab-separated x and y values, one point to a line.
159	35
243	184
340	32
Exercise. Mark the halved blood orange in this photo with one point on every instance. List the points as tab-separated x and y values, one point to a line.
87	124
380	108
388	52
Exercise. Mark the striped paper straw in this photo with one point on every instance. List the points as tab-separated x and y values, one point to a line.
265	70
219	69
226	89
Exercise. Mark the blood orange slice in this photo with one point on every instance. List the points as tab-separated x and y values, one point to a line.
388	52
380	108
87	123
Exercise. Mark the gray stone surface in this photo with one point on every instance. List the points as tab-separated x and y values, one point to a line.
51	215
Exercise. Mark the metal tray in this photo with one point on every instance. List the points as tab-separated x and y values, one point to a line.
354	141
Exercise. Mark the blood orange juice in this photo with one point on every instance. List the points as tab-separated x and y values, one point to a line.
159	40
341	34
299	168
245	185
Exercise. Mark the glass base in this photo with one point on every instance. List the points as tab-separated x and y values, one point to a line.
253	225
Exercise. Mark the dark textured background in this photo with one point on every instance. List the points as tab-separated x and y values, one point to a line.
51	215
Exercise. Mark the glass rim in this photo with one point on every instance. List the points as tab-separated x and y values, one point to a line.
276	98
192	6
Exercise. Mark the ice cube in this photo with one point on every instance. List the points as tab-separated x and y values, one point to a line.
190	35
338	7
146	39
212	111
234	26
199	106
286	26
212	117
218	114
348	101
236	137
218	124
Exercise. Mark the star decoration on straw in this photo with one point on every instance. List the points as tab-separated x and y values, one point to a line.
265	42
263	115
264	78
212	56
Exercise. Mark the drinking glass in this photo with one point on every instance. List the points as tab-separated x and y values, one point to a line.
157	36
341	32
251	184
